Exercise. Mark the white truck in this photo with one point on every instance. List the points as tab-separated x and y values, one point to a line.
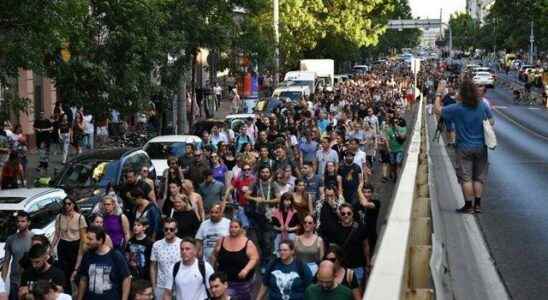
324	69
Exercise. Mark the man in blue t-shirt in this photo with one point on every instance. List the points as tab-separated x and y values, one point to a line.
471	152
103	273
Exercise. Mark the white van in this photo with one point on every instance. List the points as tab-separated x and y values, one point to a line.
293	92
303	78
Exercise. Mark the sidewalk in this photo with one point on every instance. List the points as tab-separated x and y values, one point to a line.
55	157
467	270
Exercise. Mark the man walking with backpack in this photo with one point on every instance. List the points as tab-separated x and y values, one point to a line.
189	279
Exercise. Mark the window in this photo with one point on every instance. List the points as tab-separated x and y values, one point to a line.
43	203
136	161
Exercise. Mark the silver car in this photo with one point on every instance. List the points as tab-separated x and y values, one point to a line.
43	205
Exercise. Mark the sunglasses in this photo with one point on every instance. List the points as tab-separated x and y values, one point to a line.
170	229
144	171
344	214
331	259
247	170
308	222
67	203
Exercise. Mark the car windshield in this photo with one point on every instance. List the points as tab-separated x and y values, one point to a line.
89	173
293	95
165	149
38	219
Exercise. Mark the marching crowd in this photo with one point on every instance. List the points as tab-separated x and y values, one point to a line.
282	207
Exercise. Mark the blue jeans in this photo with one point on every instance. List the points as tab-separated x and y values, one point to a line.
361	275
240	215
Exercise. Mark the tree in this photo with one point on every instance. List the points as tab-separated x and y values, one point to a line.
395	39
465	31
511	21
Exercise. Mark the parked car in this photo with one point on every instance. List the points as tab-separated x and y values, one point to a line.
43	205
205	125
88	175
161	147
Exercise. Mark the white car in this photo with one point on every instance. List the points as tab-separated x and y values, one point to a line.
484	78
43	205
161	147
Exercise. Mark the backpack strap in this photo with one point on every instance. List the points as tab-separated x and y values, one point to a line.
176	270
201	268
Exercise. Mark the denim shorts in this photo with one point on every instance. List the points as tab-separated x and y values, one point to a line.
396	158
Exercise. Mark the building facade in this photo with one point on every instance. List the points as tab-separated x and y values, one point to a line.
41	95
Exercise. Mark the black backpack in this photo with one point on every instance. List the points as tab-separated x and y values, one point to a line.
201	268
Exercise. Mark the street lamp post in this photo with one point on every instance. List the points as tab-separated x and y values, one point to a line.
531	45
276	23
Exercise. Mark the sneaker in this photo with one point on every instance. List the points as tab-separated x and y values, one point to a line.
465	210
477	209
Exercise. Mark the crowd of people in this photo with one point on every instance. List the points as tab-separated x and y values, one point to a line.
282	207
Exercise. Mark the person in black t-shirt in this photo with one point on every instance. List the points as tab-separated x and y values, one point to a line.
186	217
40	269
352	238
43	128
132	183
351	176
138	250
367	212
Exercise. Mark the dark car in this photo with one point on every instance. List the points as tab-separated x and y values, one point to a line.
205	125
87	176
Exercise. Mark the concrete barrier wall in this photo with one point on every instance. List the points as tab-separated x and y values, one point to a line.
401	266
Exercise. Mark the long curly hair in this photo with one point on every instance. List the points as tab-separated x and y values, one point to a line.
468	93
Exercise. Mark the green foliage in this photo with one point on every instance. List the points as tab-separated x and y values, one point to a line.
394	39
325	28
465	31
26	35
510	21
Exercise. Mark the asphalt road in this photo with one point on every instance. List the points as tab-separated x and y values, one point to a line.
515	208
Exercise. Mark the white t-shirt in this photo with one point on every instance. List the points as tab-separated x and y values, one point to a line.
360	159
189	282
210	232
2	286
166	255
88	125
63	297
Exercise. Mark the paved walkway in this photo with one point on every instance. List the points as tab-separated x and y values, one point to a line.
55	158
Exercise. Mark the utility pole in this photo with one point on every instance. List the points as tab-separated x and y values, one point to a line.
276	24
532	45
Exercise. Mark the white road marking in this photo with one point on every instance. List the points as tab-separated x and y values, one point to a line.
534	108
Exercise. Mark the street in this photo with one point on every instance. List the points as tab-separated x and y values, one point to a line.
515	215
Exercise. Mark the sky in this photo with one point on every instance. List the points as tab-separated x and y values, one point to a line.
430	9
